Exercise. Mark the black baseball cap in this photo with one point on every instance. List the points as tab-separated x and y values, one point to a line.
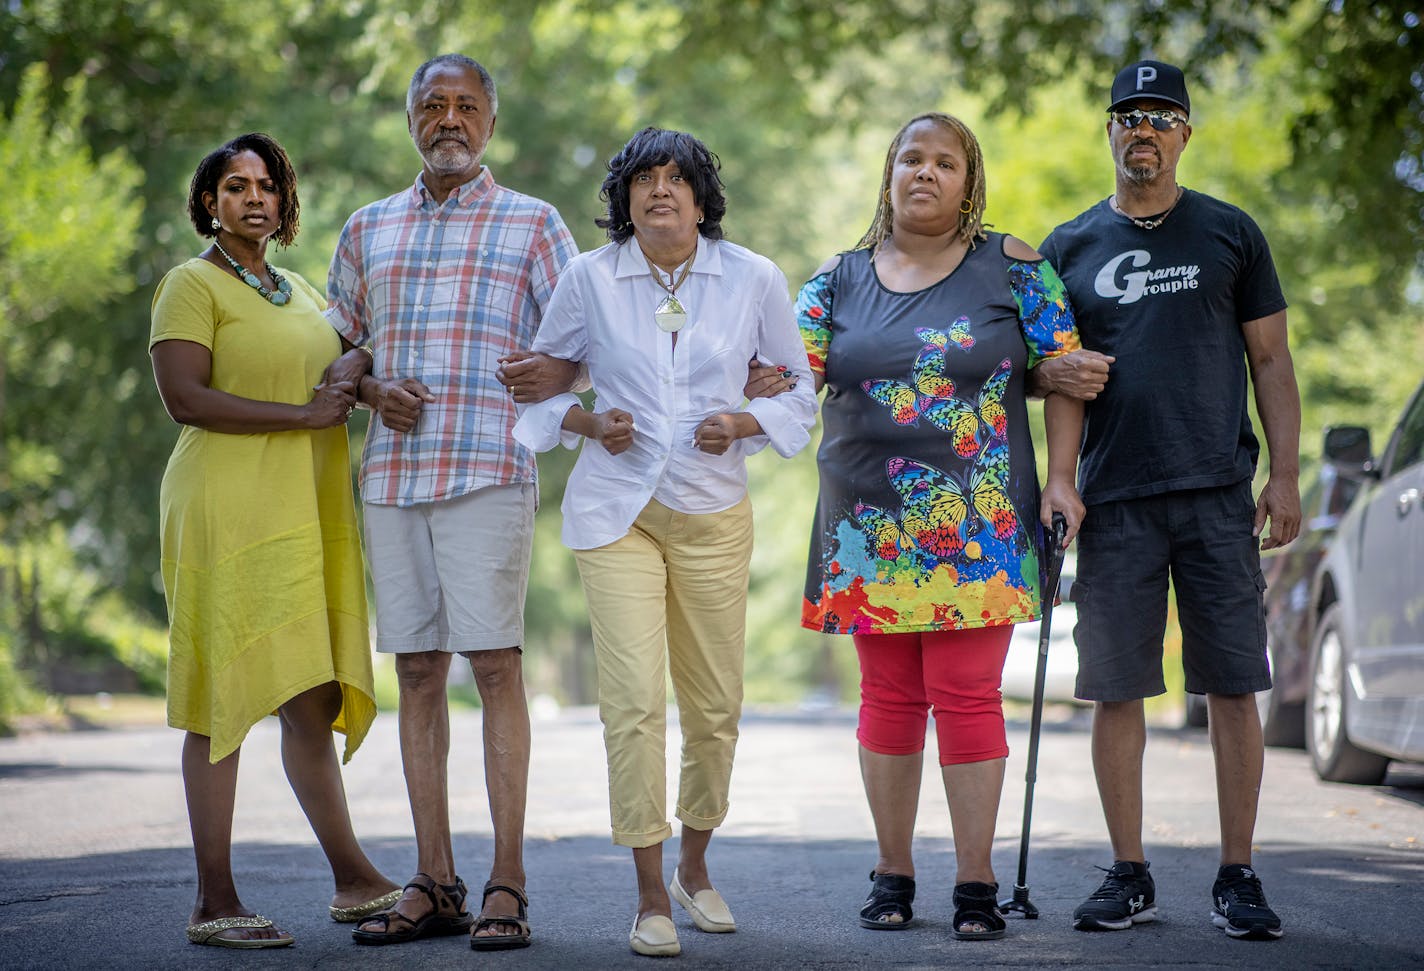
1150	80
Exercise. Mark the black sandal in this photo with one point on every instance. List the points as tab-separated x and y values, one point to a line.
890	896
501	942
454	920
978	903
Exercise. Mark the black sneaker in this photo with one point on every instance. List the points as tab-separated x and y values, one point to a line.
1126	897
1239	905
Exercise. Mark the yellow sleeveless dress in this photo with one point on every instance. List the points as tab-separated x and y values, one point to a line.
261	552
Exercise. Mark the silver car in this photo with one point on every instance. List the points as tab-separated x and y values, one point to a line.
1366	699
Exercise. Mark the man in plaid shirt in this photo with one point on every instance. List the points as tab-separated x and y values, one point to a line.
438	283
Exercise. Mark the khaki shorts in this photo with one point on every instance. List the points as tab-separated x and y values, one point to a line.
451	575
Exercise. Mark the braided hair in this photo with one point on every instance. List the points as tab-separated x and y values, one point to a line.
971	224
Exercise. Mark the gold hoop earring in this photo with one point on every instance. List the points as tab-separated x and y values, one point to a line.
887	195
967	206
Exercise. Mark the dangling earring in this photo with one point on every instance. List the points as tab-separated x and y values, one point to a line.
967	206
216	225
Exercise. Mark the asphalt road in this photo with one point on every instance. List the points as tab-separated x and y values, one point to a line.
96	868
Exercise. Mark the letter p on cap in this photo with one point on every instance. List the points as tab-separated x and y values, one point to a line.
1146	74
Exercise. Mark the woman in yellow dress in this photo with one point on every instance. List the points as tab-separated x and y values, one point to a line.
261	553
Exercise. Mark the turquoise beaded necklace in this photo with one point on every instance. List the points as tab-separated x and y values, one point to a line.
278	298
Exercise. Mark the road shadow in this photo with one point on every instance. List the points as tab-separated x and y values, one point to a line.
1405	781
42	770
795	901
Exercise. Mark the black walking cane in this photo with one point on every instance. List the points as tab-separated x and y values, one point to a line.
1019	901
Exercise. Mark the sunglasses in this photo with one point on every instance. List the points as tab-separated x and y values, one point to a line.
1161	119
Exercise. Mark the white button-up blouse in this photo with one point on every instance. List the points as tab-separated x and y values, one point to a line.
602	313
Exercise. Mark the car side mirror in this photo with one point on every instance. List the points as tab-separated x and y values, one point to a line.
1346	444
1347	448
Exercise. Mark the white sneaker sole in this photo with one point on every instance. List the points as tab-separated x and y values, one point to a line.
1248	933
1144	916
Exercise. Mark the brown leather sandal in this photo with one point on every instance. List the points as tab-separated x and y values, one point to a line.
447	915
501	942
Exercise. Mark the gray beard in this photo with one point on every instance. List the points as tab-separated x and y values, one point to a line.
447	157
1141	174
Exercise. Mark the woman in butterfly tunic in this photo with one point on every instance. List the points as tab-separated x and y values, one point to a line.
656	509
927	543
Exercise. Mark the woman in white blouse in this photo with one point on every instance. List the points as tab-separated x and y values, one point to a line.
666	316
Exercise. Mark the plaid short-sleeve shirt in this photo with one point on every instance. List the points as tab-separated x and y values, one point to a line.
441	290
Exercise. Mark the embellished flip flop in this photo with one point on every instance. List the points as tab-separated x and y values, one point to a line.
501	942
447	915
351	915
207	933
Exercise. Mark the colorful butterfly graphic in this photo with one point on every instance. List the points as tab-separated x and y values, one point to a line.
885	535
973	425
958	332
908	401
941	513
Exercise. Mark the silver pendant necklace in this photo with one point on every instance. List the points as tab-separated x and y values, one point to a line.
1152	223
670	315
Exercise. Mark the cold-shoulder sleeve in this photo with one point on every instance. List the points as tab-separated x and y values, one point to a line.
1045	315
813	316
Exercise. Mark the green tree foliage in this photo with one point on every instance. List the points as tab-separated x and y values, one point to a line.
60	258
1308	115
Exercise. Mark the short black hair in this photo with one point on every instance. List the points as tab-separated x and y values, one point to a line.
648	149
279	167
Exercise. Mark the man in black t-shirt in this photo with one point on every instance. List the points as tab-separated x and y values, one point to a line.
1176	297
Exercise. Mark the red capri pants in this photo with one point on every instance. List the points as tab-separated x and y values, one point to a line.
955	673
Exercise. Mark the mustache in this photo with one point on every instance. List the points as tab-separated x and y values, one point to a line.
433	140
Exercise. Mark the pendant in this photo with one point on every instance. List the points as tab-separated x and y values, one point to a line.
670	315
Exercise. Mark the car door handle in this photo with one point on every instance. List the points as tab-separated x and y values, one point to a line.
1405	499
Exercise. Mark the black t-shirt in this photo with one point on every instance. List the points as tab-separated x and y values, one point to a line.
1168	303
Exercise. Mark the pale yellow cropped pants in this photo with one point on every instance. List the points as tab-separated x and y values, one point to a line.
674	589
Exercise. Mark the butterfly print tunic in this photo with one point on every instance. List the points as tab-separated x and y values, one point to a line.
927	517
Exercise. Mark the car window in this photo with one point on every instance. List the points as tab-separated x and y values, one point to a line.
1408	444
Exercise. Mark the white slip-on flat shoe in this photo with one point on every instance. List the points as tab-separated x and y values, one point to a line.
709	912
654	937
